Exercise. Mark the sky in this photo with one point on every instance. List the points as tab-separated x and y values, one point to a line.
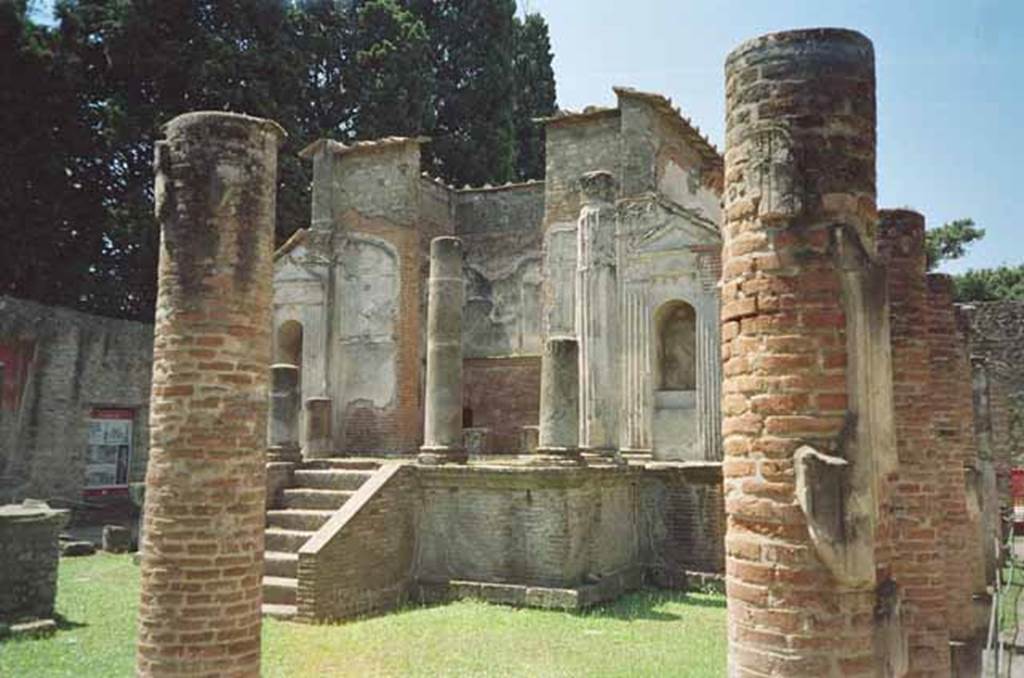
950	95
950	79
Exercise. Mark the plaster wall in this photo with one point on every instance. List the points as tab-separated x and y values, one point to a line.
67	364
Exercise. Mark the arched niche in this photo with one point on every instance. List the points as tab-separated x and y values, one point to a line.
676	356
289	344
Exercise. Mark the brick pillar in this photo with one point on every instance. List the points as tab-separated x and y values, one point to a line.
442	427
951	406
204	511
803	324
917	532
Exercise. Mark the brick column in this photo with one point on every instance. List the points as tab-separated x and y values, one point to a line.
442	427
951	406
917	532
803	322
204	510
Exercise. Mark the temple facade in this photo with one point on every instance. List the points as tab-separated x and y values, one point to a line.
618	248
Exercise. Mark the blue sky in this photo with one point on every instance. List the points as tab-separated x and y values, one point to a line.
950	88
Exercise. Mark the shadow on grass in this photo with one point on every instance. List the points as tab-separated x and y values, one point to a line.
65	624
644	605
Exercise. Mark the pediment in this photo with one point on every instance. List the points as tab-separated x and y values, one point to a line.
667	231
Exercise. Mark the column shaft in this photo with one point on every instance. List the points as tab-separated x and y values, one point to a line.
202	560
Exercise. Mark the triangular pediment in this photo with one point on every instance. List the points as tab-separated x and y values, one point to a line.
660	230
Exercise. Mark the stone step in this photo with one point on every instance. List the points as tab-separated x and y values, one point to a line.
280	611
298	519
279	590
351	463
331	478
280	564
287	541
309	498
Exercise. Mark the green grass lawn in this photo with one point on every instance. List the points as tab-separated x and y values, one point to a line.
644	634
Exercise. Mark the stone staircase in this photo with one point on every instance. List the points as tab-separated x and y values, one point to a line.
319	489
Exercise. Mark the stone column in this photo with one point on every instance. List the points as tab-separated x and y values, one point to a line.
202	559
918	561
597	311
636	389
319	441
284	413
559	402
805	353
442	421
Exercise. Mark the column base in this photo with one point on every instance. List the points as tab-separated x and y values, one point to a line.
554	456
604	456
290	453
435	456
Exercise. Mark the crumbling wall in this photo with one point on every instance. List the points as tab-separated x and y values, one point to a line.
64	365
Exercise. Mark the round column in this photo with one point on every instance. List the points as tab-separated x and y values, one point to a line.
799	209
597	316
202	560
559	401
442	423
284	413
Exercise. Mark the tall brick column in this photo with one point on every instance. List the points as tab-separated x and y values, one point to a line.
204	515
805	348
918	565
951	405
442	418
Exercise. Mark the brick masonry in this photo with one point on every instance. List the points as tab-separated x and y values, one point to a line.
58	365
918	565
411	529
800	158
206	482
951	404
503	395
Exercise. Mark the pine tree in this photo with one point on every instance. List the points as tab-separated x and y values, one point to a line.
392	74
474	49
534	94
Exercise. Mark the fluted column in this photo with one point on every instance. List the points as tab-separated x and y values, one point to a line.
597	316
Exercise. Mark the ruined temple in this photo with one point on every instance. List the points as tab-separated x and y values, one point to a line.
621	240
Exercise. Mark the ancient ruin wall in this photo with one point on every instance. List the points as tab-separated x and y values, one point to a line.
802	433
205	485
918	564
58	366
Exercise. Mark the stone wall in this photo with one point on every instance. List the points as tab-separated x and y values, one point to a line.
560	528
29	555
59	365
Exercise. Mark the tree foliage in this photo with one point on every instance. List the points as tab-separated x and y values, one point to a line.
950	241
84	102
991	284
